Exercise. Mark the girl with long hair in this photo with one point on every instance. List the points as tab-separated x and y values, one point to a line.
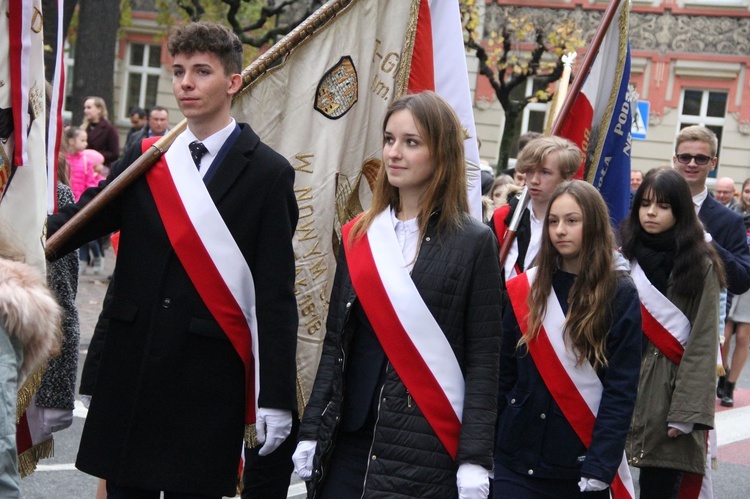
404	400
569	360
679	277
102	134
737	324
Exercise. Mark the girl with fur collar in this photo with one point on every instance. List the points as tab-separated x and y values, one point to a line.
29	334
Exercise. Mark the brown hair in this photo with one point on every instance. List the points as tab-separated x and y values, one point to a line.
698	133
208	37
589	314
445	196
744	205
568	156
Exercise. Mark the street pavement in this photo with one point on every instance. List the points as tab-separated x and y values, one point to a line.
57	477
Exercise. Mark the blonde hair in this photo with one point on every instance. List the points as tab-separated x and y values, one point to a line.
698	133
567	155
445	196
98	102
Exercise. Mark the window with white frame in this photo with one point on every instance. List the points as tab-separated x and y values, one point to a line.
141	77
534	117
69	62
707	108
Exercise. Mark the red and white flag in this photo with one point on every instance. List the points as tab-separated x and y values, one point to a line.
438	63
599	121
23	171
54	132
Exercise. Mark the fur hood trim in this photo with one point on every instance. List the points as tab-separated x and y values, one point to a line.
29	312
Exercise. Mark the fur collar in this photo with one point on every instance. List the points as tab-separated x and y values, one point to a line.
29	312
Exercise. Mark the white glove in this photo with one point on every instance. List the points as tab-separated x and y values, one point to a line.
303	458
473	481
55	419
272	427
86	400
591	485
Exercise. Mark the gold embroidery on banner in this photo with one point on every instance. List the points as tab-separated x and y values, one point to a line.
338	89
404	68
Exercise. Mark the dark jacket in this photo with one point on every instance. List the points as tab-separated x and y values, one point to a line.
533	436
730	241
103	137
58	387
167	411
458	277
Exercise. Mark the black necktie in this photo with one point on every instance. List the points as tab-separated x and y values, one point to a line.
197	150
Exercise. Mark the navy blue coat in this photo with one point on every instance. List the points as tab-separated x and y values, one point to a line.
533	436
730	240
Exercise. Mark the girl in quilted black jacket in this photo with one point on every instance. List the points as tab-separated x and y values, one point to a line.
404	400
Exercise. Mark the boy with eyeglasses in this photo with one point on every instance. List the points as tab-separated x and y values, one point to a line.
695	156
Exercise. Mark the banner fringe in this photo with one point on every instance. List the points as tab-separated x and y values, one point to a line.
28	460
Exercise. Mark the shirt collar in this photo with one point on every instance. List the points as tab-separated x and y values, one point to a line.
213	142
699	198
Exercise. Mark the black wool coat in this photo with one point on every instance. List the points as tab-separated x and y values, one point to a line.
167	411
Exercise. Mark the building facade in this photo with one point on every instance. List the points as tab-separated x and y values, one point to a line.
690	62
143	73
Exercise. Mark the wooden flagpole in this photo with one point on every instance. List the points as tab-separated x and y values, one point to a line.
567	105
140	166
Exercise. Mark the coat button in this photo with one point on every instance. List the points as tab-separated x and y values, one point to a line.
374	457
348	304
166	302
427	239
543	416
512	401
531	472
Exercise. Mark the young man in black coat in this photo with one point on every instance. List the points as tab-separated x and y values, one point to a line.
192	352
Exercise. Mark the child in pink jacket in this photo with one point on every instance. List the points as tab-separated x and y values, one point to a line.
84	166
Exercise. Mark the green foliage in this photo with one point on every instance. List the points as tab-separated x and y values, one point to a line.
171	13
521	49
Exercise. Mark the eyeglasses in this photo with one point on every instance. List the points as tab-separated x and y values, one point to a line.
700	159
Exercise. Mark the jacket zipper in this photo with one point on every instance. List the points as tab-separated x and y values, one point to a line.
374	431
330	442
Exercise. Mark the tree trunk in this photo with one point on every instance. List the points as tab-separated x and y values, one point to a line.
98	22
510	136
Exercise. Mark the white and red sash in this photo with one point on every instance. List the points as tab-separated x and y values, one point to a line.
209	254
576	389
410	335
663	323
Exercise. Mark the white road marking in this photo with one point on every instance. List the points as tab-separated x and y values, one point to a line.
732	425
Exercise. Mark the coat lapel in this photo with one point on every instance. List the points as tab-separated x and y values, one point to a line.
236	161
